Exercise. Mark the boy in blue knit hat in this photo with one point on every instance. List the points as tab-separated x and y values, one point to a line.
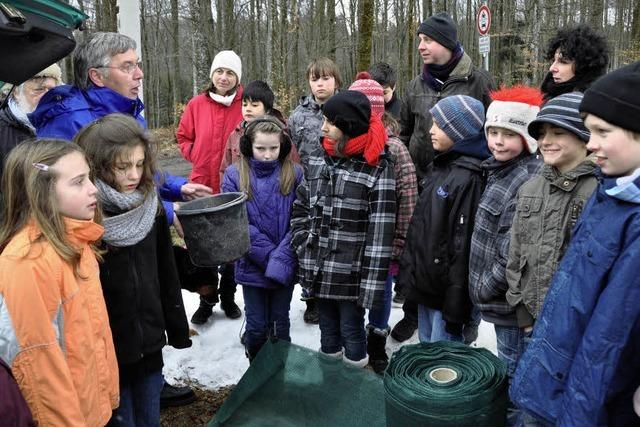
434	265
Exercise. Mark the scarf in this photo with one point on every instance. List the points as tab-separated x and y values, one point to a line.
224	100
134	216
371	144
435	75
19	114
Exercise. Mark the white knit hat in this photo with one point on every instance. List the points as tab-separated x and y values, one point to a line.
52	71
227	59
514	116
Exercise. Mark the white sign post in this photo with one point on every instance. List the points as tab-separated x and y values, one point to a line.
483	24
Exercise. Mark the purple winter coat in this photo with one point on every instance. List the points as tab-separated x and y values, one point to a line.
270	263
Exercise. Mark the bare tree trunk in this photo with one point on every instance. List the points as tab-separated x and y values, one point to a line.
106	15
331	25
175	29
411	31
366	33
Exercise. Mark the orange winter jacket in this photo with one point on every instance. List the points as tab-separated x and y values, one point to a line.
54	329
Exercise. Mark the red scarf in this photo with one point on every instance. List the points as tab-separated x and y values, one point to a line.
370	144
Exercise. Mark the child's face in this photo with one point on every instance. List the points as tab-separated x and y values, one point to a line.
561	148
252	109
128	170
504	144
75	193
388	93
440	140
322	87
433	52
331	131
562	69
266	146
617	152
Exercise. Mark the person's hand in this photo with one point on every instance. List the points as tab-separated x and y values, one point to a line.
176	221
191	191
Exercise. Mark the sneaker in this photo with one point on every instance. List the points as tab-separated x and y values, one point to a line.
176	396
204	311
231	309
403	330
311	314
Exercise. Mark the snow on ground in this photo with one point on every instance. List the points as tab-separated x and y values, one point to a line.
217	358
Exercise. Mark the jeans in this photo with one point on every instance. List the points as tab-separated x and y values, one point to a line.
380	318
139	402
267	314
342	325
510	348
431	326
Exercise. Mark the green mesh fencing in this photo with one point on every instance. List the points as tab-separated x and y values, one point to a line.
288	385
445	384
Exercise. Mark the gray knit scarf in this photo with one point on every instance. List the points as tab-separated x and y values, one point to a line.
135	220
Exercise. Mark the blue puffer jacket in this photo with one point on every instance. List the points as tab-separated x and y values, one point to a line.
64	110
270	262
583	363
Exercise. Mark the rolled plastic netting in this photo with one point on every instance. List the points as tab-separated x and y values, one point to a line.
445	384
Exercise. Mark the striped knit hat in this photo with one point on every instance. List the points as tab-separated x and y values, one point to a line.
561	111
372	90
459	116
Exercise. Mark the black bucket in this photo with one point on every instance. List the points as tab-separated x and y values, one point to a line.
216	229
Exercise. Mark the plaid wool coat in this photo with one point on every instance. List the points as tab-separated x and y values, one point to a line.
343	225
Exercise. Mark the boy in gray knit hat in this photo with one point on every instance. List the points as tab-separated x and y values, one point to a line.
435	261
548	207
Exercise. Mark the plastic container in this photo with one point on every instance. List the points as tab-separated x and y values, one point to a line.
216	229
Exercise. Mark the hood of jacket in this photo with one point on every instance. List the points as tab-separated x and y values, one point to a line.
625	188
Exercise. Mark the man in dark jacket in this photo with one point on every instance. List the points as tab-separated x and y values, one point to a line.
447	71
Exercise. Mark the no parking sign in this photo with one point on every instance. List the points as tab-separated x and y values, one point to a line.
483	20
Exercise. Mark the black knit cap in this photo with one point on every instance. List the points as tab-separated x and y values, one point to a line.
441	28
349	111
615	98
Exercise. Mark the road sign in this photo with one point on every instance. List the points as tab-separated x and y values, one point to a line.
483	20
484	44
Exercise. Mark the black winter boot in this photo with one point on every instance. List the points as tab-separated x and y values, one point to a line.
227	292
404	329
205	310
311	314
376	348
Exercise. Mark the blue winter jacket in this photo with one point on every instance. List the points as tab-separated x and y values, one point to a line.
583	363
270	262
64	110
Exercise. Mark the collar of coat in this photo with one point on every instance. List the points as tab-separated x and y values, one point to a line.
568	180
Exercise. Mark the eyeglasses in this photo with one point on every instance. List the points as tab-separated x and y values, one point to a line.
127	67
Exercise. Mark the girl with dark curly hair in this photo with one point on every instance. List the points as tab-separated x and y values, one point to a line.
578	55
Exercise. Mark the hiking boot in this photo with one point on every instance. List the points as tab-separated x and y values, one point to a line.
376	349
230	308
311	314
176	396
204	311
403	330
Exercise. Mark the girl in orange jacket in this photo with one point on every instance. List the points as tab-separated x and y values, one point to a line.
54	328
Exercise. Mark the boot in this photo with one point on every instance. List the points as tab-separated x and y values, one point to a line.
311	314
403	330
204	311
227	292
376	343
362	363
176	396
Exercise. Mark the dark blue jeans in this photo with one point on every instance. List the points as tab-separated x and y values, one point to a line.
342	325
510	348
139	403
267	314
380	318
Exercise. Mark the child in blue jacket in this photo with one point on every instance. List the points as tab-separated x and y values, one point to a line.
267	271
582	365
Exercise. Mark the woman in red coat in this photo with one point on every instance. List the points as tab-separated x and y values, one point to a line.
205	126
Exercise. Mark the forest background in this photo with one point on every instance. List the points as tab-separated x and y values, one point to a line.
277	38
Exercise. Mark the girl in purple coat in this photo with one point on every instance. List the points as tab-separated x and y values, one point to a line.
267	271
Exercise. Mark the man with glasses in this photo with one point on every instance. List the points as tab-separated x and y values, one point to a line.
108	80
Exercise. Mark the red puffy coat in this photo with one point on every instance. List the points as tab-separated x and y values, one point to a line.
202	135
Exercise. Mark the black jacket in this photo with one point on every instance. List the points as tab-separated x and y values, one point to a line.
142	292
394	106
12	133
434	264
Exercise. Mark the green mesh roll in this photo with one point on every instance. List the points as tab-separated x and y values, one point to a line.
445	384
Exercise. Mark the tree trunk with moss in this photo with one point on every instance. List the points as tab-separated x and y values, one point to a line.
367	13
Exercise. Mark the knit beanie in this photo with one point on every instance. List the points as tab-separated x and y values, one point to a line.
349	111
441	28
459	116
227	59
615	98
561	111
514	108
372	90
52	71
